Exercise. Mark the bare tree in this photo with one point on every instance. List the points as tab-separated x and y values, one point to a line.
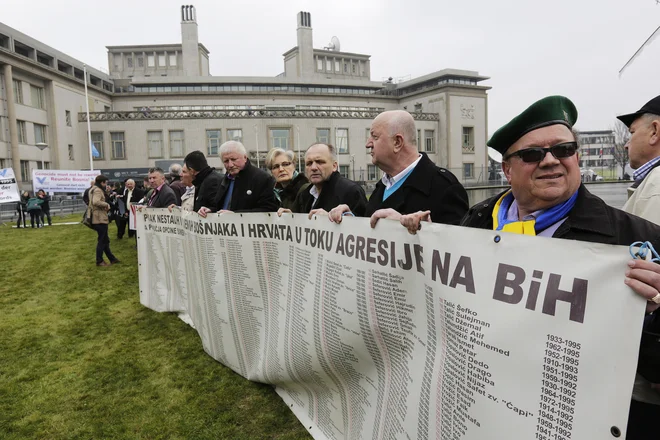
621	137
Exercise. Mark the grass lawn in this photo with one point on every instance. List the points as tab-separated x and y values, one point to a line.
80	358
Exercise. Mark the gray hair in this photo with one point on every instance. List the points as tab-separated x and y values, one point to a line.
232	147
275	152
130	180
331	148
156	170
175	169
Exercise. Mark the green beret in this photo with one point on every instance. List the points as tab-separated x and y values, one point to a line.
547	111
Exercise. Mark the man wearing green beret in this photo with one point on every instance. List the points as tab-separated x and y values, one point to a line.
547	198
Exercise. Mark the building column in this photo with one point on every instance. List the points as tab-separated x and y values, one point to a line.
13	128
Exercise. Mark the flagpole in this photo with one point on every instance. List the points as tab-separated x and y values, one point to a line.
89	127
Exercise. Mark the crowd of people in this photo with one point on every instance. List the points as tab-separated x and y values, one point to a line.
37	206
545	198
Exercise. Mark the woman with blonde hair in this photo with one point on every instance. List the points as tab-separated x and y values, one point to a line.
288	181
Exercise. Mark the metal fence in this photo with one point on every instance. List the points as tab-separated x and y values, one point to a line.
58	207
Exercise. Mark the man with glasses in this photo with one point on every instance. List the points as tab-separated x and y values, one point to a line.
547	199
411	181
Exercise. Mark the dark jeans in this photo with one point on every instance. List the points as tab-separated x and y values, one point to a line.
103	243
46	213
643	421
35	215
21	215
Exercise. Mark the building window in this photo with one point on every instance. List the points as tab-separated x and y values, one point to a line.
341	138
279	138
25	171
37	94
372	172
337	69
468	139
367	135
71	157
39	134
235	134
319	64
323	135
46	165
140	61
22	133
468	170
177	147
213	141
419	140
343	170
161	60
18	92
118	145
151	61
172	59
155	144
97	141
353	68
67	117
345	67
429	141
328	65
129	62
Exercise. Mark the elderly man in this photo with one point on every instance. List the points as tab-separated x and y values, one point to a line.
547	199
204	178
130	196
175	182
644	152
162	195
328	188
411	182
244	188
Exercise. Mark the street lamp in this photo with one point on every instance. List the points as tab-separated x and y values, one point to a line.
41	146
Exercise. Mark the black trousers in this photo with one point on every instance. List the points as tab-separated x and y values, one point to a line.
35	215
643	421
21	215
46	213
103	243
121	226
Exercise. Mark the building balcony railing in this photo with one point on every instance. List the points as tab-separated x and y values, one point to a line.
148	114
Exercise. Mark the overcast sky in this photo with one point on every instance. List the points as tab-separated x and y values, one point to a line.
529	49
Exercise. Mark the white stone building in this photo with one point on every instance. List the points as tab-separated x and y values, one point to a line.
160	102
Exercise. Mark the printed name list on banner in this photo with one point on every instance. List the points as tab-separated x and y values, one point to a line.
53	181
375	333
8	186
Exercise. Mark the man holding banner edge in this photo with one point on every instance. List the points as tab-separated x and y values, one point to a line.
547	199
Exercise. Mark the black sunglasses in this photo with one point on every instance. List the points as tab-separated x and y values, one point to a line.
537	154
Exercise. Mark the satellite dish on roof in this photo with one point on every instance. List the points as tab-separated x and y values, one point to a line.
333	45
494	155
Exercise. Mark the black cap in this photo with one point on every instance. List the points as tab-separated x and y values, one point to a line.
653	106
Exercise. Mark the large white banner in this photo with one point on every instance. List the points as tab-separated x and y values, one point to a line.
53	181
453	333
8	186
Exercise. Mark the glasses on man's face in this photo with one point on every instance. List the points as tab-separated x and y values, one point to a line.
537	154
278	165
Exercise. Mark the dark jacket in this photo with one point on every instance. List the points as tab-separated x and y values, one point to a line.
21	205
253	191
289	193
206	182
428	187
45	206
591	220
179	189
164	198
135	196
336	191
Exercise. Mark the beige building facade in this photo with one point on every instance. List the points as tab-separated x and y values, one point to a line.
160	102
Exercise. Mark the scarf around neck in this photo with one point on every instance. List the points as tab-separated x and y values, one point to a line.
545	219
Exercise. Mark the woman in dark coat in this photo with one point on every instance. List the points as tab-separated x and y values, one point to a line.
288	181
21	209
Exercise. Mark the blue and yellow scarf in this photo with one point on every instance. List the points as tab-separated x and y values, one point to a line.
546	219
